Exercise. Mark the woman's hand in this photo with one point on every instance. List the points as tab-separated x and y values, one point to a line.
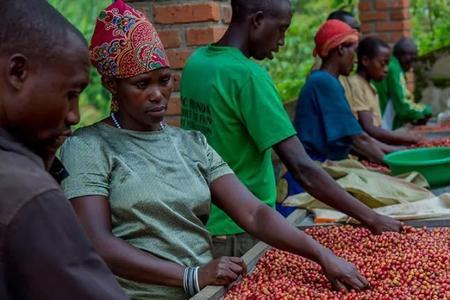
221	271
342	275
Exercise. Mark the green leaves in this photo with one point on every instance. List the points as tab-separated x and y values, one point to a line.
431	25
94	101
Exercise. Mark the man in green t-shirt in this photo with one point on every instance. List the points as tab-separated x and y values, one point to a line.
396	101
234	102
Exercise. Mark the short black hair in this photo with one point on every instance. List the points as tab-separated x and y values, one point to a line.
33	27
243	8
340	15
370	47
403	44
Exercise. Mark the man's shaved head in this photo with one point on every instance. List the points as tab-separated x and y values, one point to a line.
404	45
44	66
345	17
33	28
405	50
258	27
244	8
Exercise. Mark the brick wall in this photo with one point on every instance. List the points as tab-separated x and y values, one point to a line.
183	26
388	19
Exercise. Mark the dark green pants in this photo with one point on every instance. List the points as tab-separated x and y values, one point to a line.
233	245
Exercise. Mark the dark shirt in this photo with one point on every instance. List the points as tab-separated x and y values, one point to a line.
43	251
57	170
324	120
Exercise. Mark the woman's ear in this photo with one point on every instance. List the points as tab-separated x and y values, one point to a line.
341	50
110	84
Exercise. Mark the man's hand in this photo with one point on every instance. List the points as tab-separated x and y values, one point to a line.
382	224
422	121
342	275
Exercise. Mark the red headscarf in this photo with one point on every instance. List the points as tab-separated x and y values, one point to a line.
332	34
125	43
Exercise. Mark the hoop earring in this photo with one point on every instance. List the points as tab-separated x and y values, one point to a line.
114	104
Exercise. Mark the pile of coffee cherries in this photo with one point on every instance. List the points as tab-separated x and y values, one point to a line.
433	143
431	128
413	265
376	167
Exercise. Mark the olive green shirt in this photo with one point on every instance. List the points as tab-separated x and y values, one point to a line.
362	96
157	184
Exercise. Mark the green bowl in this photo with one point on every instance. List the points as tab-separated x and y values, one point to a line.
432	163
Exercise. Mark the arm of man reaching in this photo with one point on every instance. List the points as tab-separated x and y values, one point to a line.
387	148
367	147
383	135
134	264
321	186
262	222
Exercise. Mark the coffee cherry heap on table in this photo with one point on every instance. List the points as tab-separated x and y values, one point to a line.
413	265
433	143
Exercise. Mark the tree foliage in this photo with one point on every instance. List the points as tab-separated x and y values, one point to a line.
291	65
94	101
431	24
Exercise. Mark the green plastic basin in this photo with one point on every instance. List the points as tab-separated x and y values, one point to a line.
432	163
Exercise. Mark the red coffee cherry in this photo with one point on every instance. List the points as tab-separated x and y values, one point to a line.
412	265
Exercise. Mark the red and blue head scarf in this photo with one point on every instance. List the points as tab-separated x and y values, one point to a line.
125	43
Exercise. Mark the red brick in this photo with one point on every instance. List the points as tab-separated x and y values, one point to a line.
203	36
176	76
186	13
170	38
173	121
374	16
386	4
393	26
366	28
365	5
174	108
396	36
226	14
384	36
142	7
400	14
178	58
382	4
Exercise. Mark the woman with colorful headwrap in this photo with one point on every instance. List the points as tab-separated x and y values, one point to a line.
324	121
142	189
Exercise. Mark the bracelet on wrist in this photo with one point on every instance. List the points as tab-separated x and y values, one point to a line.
190	281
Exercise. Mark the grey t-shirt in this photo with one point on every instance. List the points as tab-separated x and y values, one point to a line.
157	184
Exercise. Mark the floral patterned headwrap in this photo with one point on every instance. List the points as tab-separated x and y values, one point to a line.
332	34
125	43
